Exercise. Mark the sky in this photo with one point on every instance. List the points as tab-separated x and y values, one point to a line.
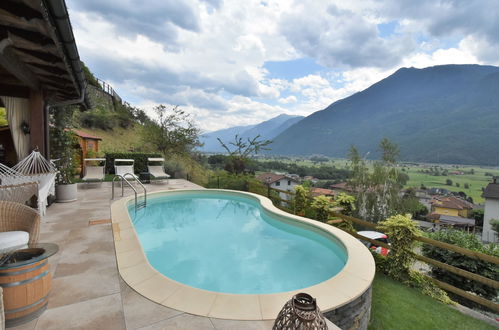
233	62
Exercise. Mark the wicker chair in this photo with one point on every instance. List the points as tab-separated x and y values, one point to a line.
16	216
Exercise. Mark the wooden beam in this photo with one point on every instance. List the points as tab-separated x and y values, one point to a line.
51	69
34	37
12	64
61	80
458	249
48	58
459	271
19	10
355	220
479	300
35	24
14	90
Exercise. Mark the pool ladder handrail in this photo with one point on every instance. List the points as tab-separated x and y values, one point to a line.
123	179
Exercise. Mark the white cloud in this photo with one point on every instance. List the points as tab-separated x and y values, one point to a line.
289	99
208	56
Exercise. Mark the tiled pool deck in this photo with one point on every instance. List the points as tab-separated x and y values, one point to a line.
87	291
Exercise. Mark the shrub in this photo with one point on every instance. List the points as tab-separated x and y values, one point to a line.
322	206
140	160
346	202
98	118
183	166
301	199
225	180
401	230
428	288
468	241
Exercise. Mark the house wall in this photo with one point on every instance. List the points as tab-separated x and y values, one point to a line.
446	211
426	202
465	213
284	184
491	211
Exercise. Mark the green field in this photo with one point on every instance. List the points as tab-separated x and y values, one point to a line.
476	181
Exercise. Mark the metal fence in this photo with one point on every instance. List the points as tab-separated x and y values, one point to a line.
109	90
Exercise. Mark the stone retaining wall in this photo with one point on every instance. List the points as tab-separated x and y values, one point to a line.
354	315
100	99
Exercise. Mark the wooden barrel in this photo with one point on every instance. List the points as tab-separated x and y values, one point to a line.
25	291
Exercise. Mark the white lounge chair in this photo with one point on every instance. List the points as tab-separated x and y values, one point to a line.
157	171
125	170
94	173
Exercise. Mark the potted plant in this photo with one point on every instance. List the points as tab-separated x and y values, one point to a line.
63	141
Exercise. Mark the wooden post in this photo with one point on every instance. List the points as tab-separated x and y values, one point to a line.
37	122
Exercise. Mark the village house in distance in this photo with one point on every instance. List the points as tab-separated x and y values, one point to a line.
279	181
491	195
453	211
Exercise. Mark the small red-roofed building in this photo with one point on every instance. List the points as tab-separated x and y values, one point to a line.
314	192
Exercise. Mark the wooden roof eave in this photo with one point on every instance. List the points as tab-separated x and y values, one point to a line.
41	36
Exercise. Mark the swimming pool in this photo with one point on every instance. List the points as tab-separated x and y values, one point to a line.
229	243
336	288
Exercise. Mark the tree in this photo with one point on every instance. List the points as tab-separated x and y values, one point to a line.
477	214
448	182
173	132
240	150
377	191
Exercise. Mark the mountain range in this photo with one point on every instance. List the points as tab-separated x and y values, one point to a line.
267	130
441	114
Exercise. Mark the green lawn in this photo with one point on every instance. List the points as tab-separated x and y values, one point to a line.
396	306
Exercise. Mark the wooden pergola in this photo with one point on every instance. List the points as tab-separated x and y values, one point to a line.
39	62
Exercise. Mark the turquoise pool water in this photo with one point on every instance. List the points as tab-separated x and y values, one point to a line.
230	244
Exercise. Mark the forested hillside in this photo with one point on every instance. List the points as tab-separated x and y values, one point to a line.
446	114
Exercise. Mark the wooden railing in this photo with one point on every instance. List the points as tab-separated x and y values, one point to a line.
435	263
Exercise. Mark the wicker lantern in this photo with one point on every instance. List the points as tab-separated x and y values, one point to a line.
300	313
